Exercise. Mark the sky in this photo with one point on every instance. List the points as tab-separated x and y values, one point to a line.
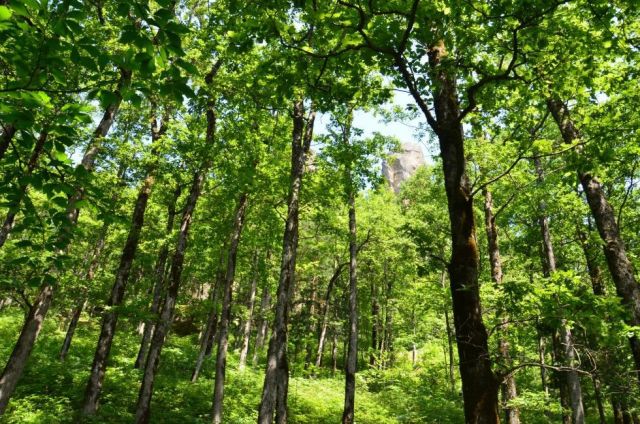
370	123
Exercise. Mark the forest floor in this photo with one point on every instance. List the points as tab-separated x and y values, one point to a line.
50	391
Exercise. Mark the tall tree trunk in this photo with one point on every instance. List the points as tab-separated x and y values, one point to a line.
37	313
590	255
110	317
334	351
275	389
5	140
163	323
71	328
387	341
225	317
311	322
450	338
265	300
158	286
325	313
479	384
375	312
246	331
210	329
509	390
352	351
77	310
570	390
9	220
143	407
30	330
597	391
542	346
620	267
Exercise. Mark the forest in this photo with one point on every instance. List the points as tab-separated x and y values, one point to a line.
207	213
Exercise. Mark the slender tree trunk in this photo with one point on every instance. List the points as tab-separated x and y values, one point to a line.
71	329
352	351
334	351
143	407
325	313
275	389
450	338
210	329
509	390
18	359
246	333
77	310
375	312
543	370
570	390
311	323
9	220
225	317
618	416
590	255
166	316
597	391
388	344
37	313
110	317
620	267
479	384
5	140
158	286
595	275
264	321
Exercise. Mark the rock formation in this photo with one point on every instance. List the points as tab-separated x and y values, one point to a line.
403	165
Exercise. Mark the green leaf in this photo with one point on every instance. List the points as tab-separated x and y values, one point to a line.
5	13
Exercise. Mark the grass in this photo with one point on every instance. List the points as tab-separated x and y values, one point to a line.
50	391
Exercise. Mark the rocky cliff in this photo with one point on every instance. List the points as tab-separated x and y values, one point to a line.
403	164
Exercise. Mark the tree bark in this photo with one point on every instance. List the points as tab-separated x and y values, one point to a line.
509	390
479	384
71	329
352	350
311	322
264	321
387	341
570	388
37	313
450	337
5	140
210	330
9	220
620	267
275	389
597	391
542	345
325	313
143	407
158	286
246	332
110	317
81	303
18	359
163	323
375	312
225	317
590	255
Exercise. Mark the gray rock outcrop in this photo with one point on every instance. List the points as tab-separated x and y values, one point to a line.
403	165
